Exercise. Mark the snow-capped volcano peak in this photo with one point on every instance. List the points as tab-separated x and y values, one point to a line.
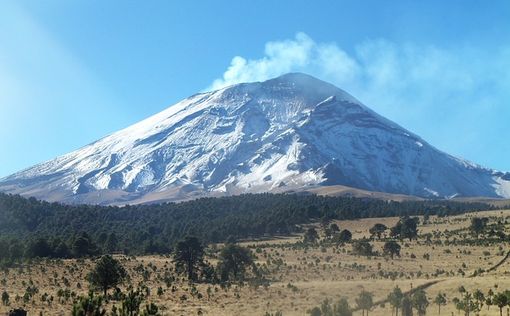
285	133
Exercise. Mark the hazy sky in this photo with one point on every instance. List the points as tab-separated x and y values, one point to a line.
74	71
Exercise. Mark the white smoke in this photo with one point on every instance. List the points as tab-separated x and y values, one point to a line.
415	85
298	54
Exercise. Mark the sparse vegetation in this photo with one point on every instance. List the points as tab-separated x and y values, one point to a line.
107	273
189	257
346	268
234	260
391	248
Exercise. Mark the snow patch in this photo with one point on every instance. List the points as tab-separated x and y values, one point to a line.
432	192
502	187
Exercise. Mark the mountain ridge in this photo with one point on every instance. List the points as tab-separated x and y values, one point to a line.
286	133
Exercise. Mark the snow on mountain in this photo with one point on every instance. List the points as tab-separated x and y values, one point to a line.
290	132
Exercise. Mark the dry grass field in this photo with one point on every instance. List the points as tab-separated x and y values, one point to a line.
301	277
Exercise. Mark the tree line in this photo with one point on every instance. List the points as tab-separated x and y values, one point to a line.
30	228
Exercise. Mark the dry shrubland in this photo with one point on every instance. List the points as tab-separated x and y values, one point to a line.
446	256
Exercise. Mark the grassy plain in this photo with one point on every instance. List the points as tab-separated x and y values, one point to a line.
302	277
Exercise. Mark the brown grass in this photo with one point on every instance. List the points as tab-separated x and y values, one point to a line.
314	273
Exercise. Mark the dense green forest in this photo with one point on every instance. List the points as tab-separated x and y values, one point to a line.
32	228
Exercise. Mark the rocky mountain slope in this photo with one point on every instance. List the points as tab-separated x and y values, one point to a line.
287	133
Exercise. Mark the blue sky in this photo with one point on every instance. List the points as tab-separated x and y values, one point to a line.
74	71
